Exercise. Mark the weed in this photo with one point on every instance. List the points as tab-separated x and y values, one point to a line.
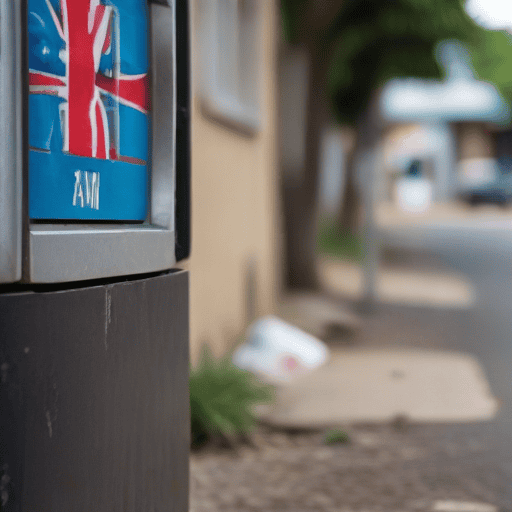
338	243
222	398
335	436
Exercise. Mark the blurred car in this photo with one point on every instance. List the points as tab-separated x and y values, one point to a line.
484	180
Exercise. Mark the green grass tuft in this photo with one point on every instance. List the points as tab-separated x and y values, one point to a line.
335	242
222	400
335	436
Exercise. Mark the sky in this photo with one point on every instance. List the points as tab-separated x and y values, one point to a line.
493	14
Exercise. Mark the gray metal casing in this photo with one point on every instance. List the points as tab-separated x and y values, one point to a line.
94	397
11	176
53	253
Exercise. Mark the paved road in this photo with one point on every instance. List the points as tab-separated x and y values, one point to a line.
485	256
483	252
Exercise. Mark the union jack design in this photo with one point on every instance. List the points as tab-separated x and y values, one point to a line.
89	120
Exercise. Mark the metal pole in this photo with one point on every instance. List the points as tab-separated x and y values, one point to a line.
369	162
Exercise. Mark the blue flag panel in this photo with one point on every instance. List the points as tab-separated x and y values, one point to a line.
88	109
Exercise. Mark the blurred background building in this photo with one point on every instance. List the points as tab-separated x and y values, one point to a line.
297	138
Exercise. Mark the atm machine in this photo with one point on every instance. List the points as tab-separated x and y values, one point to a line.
94	219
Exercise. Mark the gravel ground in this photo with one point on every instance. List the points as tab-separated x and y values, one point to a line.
396	467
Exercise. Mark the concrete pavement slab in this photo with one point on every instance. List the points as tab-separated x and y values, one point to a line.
419	287
462	506
380	385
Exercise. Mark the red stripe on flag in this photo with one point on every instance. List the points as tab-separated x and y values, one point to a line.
40	79
46	91
133	90
81	75
98	17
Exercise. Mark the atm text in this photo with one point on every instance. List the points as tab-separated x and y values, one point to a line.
87	190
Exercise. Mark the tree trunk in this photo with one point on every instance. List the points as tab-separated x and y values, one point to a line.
300	261
348	213
300	195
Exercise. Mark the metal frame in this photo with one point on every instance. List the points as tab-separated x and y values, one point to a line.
11	167
62	253
183	136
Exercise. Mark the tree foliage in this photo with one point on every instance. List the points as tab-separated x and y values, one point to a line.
369	42
491	53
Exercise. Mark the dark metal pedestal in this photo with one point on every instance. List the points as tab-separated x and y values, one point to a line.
94	411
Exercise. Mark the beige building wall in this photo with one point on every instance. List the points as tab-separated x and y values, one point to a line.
234	208
475	141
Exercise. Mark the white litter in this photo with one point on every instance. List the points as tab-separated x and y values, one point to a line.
278	352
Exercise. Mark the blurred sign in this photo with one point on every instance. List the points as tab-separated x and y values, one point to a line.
88	109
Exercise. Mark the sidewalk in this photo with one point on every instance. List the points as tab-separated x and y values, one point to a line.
412	285
399	361
383	385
